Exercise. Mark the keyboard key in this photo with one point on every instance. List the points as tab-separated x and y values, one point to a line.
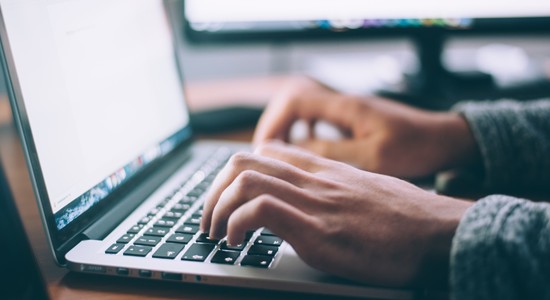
181	207
268	240
195	193
225	246
203	238
225	257
249	235
168	251
135	229
198	252
148	241
174	220
180	238
188	200
202	187
154	212
114	249
193	221
177	195
165	223
157	231
173	215
138	251
256	261
199	212
266	231
188	229
145	220
164	202
263	250
125	239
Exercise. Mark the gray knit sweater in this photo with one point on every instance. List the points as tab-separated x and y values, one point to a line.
501	249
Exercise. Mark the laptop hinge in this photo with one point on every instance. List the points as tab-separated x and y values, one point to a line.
139	193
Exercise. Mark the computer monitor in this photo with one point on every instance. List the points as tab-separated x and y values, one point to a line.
427	22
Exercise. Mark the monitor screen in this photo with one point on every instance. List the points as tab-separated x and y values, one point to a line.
218	17
102	93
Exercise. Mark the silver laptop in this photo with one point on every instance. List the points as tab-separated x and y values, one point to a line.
96	90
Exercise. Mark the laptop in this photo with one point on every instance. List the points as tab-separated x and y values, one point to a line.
23	281
96	90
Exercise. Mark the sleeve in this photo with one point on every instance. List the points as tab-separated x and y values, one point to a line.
514	141
501	250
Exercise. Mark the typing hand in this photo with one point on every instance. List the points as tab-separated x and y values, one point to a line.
381	135
339	219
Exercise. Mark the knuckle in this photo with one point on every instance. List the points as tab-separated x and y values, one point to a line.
240	160
247	179
263	205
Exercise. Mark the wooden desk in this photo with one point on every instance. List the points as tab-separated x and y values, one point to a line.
68	285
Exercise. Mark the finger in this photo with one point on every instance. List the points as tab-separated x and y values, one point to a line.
283	219
275	122
298	157
351	151
329	106
247	161
249	185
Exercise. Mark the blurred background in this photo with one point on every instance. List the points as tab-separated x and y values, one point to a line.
514	50
509	42
352	60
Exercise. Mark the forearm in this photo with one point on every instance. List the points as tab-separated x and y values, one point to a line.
501	250
513	140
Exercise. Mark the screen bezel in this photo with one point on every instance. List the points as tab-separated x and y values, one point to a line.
62	240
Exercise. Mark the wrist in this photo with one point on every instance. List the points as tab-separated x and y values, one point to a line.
454	135
447	213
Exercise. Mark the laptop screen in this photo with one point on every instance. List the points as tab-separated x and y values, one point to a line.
102	92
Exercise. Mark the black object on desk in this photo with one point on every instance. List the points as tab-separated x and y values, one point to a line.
22	277
225	119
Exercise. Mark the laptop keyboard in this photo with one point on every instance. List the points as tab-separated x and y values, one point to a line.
171	229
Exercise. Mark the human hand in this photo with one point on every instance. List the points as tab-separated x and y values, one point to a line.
359	225
382	136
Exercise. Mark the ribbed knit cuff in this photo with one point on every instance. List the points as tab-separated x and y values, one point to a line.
501	251
514	141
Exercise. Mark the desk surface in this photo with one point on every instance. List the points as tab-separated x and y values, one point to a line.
63	284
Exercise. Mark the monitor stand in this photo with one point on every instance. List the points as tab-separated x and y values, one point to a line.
433	86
